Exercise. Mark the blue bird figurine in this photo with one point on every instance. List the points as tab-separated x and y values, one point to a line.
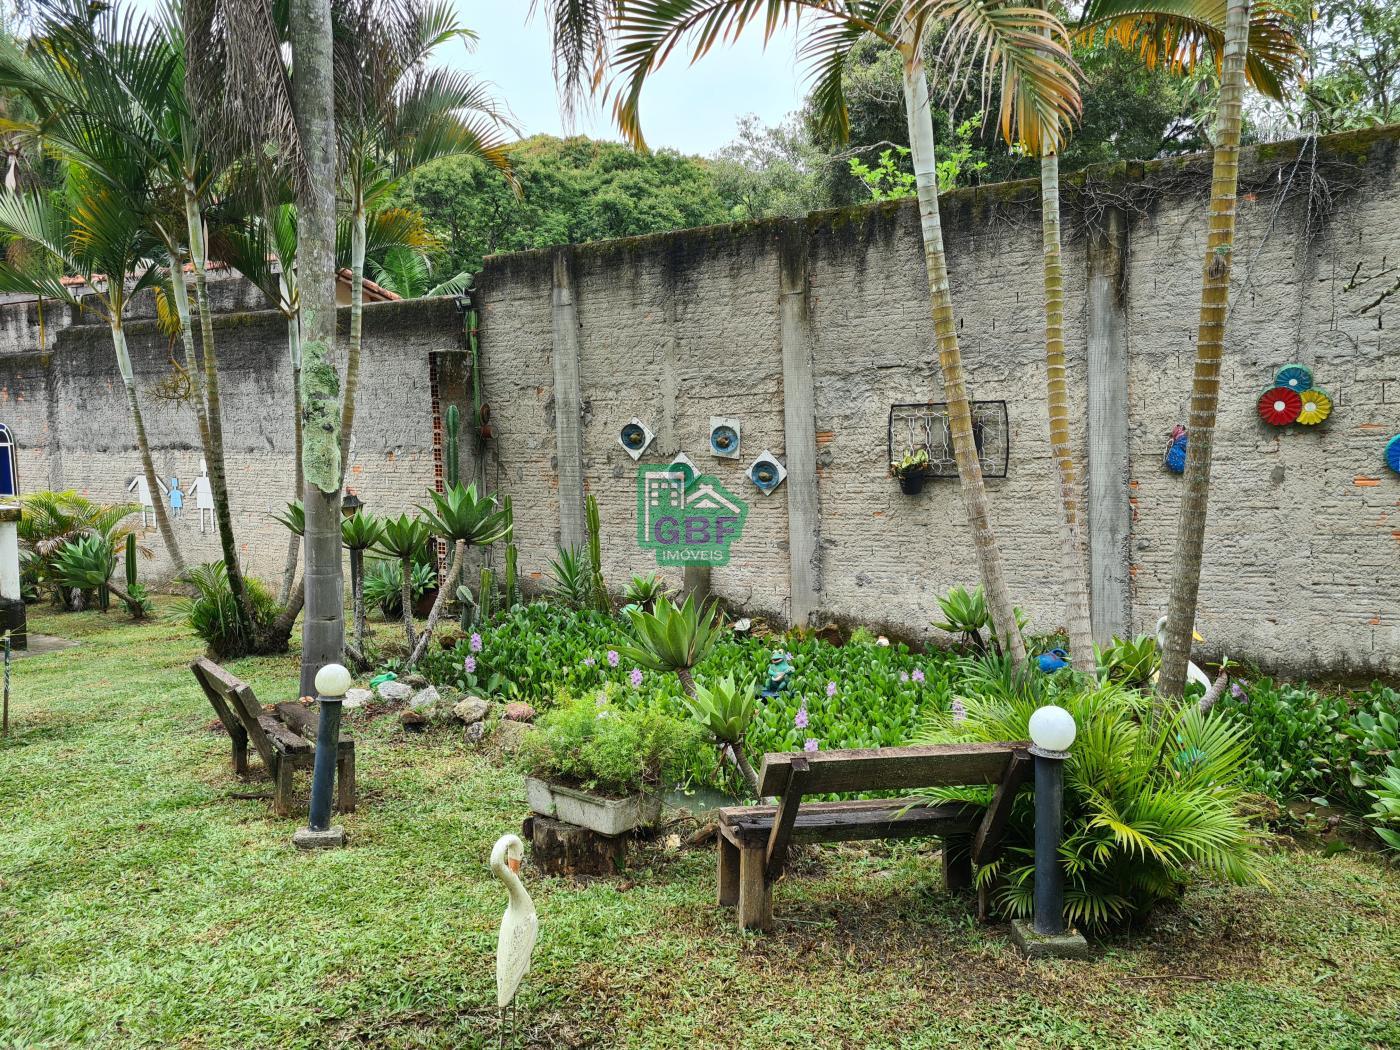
1053	661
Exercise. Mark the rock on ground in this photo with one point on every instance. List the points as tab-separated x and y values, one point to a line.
471	710
394	691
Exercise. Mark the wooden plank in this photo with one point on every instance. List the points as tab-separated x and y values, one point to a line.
300	718
243	704
986	846
207	682
776	851
891	768
755	910
727	875
282	738
957	863
751	826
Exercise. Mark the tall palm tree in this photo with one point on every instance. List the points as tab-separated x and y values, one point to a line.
393	115
1024	49
96	235
1176	32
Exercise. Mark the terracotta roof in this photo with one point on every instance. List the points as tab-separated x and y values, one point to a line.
374	293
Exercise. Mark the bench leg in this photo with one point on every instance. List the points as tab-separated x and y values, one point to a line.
282	789
957	863
345	774
755	894
240	751
728	873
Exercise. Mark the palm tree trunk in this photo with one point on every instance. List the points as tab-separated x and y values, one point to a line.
208	410
1075	565
144	446
357	316
289	570
357	596
1210	344
974	493
323	627
406	590
746	770
449	586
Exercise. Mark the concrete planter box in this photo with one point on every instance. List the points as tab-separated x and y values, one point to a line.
606	816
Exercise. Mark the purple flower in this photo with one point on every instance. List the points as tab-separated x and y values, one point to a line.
918	674
636	677
830	688
469	665
959	710
1238	693
904	676
476	642
588	661
613	658
810	745
800	719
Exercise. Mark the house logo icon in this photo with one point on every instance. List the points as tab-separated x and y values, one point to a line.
685	517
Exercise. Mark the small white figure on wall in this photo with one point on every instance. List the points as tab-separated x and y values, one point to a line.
177	499
142	488
204	496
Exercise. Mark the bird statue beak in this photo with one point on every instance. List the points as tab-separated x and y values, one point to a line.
513	864
1196	635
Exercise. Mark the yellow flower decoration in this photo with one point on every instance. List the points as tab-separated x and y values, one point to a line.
1317	406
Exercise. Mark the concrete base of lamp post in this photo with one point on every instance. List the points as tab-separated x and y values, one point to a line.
1067	945
332	838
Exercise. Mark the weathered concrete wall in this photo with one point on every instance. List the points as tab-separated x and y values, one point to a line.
807	332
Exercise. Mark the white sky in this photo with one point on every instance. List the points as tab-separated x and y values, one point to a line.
693	109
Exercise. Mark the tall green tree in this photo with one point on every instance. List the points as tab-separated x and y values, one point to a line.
1025	50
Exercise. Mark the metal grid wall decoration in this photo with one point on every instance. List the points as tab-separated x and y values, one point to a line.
1293	399
914	426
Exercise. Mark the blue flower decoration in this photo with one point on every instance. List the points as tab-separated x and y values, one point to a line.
1392	454
1296	377
1176	456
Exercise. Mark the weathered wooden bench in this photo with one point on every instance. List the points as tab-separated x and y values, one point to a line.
754	840
284	739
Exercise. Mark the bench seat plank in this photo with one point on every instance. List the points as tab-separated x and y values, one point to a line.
749	827
890	768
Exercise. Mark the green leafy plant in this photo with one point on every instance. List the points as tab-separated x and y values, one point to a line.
1130	661
1385	810
406	539
672	638
384	585
725	711
52	520
965	614
461	514
643	591
1150	804
85	564
213	614
293	518
915	462
573	582
600	747
597	589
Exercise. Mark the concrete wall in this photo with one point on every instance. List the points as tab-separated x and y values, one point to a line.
808	331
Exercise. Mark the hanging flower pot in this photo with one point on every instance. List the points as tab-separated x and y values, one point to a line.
1279	406
912	483
1316	406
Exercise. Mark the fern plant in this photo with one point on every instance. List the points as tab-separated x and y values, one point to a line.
1150	800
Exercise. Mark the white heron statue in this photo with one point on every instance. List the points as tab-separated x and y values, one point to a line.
1193	673
518	925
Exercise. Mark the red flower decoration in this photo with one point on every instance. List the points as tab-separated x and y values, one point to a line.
1279	406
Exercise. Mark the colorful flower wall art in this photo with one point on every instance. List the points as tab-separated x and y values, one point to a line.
1293	399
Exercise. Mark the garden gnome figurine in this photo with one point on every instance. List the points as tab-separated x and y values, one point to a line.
779	667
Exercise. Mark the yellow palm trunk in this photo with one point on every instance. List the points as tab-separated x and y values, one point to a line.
1075	567
974	493
1210	343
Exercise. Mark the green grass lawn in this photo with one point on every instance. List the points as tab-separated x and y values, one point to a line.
143	904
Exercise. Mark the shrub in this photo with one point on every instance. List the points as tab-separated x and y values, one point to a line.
601	747
212	615
1130	661
1385	812
1150	801
384	585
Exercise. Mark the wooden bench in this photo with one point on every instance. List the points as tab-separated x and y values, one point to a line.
284	739
754	840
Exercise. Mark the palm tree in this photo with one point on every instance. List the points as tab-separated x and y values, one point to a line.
393	116
1025	49
1162	30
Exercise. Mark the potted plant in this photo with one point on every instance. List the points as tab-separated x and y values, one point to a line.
911	471
601	767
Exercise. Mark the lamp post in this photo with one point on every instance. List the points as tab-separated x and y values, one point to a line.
1052	731
332	682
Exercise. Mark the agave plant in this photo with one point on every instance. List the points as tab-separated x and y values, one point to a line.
1149	804
643	591
293	518
1130	661
358	533
725	711
965	613
405	538
573	580
52	520
384	586
85	564
672	638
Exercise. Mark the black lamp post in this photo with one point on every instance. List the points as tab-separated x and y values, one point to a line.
1052	732
332	682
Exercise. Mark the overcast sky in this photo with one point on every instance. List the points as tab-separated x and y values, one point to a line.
693	109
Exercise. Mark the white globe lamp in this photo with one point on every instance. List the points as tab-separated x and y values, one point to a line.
1052	729
333	680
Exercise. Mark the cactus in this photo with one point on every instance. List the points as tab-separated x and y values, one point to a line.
512	554
130	560
485	595
601	602
452	468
